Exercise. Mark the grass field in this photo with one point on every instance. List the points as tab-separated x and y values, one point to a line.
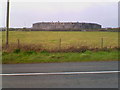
50	39
31	43
46	57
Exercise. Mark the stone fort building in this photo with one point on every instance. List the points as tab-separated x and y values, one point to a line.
64	26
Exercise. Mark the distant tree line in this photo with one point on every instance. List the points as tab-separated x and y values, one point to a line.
31	29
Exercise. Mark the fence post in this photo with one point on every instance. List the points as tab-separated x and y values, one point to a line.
18	43
60	44
101	42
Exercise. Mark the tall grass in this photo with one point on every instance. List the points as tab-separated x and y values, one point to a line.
39	48
56	41
50	39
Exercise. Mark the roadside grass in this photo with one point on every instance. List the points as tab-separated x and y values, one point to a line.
46	57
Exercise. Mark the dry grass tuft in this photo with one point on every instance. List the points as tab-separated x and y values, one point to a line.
39	48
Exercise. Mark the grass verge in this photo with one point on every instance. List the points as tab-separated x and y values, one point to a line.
46	57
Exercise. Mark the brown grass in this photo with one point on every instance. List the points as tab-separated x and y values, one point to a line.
39	47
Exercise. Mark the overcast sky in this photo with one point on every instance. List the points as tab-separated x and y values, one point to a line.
24	14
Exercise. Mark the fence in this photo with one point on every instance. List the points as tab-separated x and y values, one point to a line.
59	46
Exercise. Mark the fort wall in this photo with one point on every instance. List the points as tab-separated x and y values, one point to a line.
64	26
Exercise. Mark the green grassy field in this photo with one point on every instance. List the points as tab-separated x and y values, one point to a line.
45	57
34	41
50	39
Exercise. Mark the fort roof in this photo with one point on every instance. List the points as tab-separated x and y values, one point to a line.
65	23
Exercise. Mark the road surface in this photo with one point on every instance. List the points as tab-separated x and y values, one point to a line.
66	77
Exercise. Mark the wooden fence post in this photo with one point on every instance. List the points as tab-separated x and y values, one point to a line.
102	42
60	44
18	41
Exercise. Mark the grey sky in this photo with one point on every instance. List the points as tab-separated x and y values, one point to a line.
24	14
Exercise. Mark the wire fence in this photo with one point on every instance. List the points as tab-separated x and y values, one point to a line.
58	45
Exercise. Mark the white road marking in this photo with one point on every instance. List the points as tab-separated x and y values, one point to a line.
58	73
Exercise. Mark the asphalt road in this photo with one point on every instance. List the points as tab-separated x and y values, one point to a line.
93	80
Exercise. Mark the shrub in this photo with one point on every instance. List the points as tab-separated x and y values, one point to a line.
16	51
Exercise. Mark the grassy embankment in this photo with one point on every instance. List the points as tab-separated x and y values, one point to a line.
45	57
41	47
